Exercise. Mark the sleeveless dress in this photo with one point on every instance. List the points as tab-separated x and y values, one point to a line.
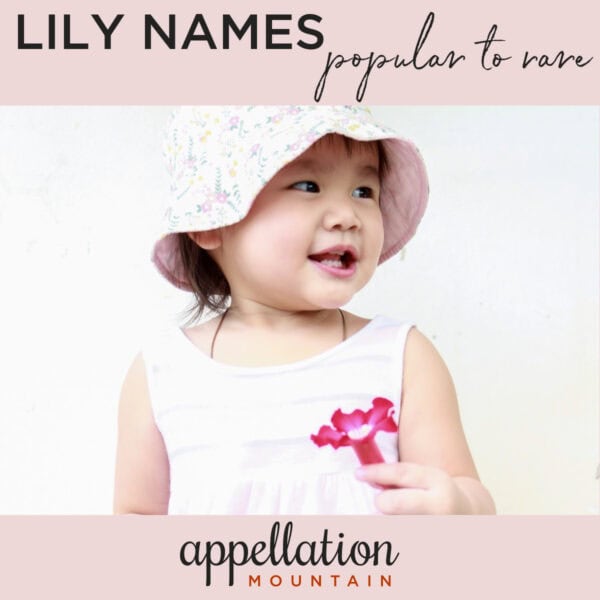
238	438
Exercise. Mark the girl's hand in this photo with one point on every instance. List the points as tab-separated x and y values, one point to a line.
412	489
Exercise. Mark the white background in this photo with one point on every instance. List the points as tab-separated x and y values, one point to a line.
502	275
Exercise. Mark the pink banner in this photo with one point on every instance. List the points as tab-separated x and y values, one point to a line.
381	52
261	557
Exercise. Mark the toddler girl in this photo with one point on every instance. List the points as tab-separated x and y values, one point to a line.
279	215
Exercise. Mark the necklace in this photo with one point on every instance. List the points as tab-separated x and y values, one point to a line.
214	337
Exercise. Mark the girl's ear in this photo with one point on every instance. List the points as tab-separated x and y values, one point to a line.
209	240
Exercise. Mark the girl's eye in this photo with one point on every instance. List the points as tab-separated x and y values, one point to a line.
363	192
306	186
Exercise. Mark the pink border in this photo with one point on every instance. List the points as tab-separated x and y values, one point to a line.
502	557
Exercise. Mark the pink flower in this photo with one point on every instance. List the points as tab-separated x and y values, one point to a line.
189	162
358	430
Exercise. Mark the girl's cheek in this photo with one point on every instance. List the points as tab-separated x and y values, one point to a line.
278	233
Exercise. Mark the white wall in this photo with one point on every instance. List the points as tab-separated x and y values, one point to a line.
502	275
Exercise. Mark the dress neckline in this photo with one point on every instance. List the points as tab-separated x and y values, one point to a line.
294	365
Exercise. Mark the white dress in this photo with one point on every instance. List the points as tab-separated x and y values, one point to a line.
238	438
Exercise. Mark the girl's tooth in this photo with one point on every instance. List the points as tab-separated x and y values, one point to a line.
332	263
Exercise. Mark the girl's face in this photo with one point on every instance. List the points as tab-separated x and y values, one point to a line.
314	234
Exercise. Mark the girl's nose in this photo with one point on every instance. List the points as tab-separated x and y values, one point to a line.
340	214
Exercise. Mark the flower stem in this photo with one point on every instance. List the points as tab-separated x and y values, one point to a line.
368	452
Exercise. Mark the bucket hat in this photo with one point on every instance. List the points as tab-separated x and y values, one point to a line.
220	157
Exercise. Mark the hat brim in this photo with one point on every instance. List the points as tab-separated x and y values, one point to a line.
403	197
404	194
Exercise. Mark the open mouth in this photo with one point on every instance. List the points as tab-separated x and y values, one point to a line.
342	258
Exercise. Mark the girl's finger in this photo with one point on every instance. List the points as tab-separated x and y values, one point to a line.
405	475
407	501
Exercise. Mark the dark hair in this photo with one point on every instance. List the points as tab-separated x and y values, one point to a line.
205	277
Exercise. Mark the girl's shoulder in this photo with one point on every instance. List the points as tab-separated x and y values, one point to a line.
142	471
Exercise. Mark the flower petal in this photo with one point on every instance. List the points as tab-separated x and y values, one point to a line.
379	412
327	435
380	417
343	422
387	425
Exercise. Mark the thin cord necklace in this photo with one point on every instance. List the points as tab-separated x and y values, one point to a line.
214	337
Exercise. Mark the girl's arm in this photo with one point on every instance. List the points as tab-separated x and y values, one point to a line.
436	474
142	469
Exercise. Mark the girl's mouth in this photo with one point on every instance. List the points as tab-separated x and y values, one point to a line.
339	260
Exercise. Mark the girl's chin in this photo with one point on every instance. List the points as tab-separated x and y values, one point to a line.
316	304
333	303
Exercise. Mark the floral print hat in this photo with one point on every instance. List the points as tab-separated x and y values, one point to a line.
220	157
